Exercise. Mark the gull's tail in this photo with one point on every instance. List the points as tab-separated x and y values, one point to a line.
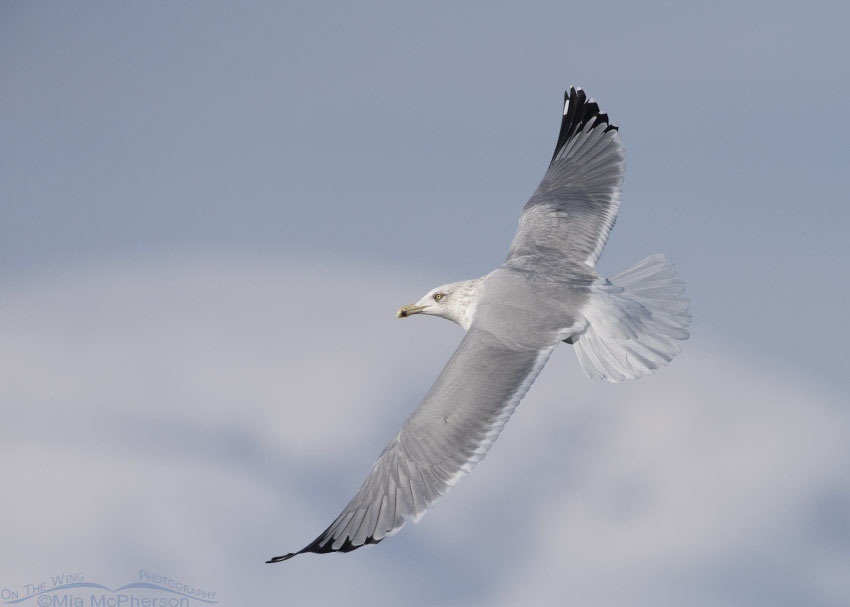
634	320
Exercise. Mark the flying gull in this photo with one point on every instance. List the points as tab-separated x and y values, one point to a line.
545	293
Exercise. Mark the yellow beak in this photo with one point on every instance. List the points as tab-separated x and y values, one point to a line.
408	310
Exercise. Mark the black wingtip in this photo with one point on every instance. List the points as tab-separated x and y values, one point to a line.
578	111
280	559
321	545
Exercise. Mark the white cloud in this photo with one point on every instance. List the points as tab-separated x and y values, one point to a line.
199	415
707	476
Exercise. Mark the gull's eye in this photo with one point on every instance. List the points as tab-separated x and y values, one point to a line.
438	296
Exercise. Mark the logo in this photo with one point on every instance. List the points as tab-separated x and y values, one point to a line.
150	589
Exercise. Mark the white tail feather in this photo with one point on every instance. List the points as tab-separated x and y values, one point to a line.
634	320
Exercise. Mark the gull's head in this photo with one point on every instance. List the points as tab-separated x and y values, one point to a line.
455	302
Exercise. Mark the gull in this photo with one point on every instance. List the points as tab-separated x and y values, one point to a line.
547	292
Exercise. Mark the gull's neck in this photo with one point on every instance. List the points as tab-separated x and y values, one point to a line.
464	300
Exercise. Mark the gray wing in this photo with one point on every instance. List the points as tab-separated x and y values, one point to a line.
448	434
574	208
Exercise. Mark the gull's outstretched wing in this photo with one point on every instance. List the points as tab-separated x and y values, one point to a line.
575	206
447	435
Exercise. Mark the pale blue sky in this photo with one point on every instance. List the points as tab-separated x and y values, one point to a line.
407	136
416	132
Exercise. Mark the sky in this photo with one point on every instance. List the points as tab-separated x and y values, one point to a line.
209	215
